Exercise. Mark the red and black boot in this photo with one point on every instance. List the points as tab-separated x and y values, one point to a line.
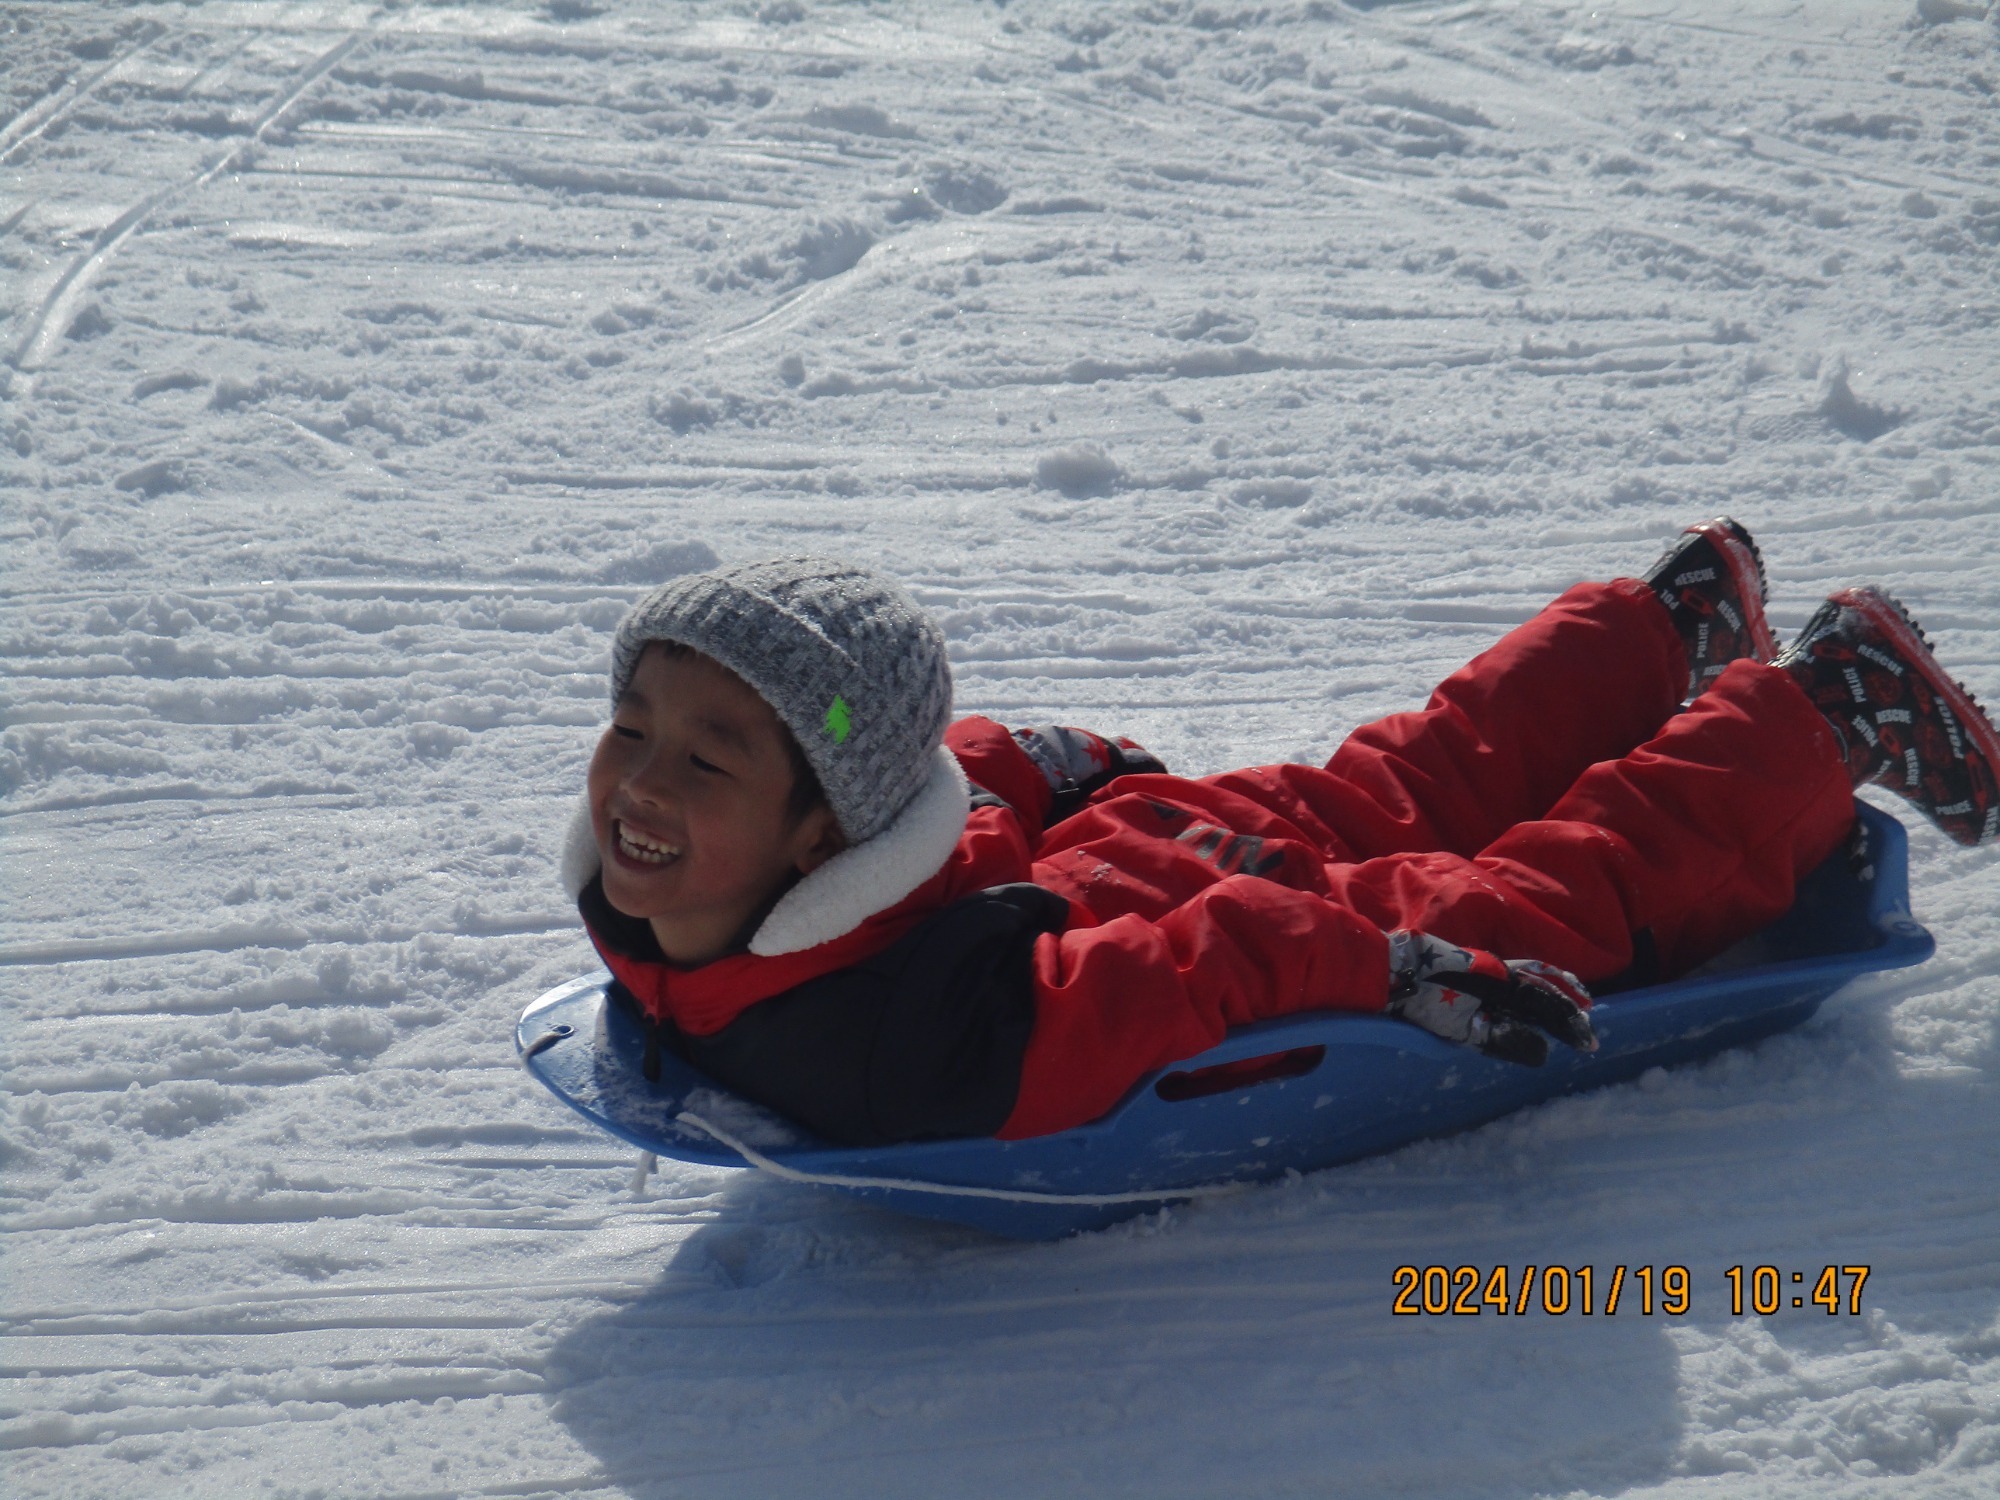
1712	584
1904	724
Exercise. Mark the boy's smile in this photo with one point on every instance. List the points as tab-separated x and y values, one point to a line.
634	845
689	793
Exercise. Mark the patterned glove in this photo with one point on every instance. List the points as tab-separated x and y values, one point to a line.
1075	762
1500	1006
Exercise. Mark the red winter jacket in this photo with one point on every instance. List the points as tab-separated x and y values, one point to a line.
1192	909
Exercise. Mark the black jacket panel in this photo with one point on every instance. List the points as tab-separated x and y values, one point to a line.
923	1039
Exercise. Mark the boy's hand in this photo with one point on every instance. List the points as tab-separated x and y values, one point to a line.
1075	762
1501	1006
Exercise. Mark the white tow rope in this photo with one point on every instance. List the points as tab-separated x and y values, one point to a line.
757	1158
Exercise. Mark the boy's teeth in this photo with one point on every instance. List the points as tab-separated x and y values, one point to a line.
645	848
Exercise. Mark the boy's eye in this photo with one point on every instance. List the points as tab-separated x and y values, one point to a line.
624	731
702	765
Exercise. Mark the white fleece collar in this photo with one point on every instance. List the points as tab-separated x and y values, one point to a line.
849	888
580	856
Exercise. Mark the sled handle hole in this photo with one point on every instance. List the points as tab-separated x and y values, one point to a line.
1245	1072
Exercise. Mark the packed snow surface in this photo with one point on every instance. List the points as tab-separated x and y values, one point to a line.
1221	372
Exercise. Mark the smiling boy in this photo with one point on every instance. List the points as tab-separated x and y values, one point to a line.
824	893
702	804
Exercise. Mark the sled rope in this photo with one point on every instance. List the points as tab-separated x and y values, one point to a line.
757	1158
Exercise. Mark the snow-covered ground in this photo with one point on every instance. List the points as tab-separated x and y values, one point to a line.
1221	373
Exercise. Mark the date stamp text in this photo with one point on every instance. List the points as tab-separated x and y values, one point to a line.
1592	1291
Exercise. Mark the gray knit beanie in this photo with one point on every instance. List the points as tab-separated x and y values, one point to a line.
852	665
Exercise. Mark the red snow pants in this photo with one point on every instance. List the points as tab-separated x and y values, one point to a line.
1554	801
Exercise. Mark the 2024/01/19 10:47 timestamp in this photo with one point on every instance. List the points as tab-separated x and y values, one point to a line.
1466	1291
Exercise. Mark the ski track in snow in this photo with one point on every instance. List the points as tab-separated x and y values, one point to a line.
1221	374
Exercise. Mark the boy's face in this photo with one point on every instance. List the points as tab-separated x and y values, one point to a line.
688	793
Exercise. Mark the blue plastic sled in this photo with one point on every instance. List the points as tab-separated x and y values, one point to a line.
1298	1093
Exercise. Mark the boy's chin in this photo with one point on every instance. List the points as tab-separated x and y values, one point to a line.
638	911
629	898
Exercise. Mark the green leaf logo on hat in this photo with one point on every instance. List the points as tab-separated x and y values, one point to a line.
839	721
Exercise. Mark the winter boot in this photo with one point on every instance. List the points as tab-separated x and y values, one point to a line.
1902	722
1712	584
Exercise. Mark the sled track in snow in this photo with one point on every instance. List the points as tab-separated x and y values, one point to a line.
52	319
37	118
